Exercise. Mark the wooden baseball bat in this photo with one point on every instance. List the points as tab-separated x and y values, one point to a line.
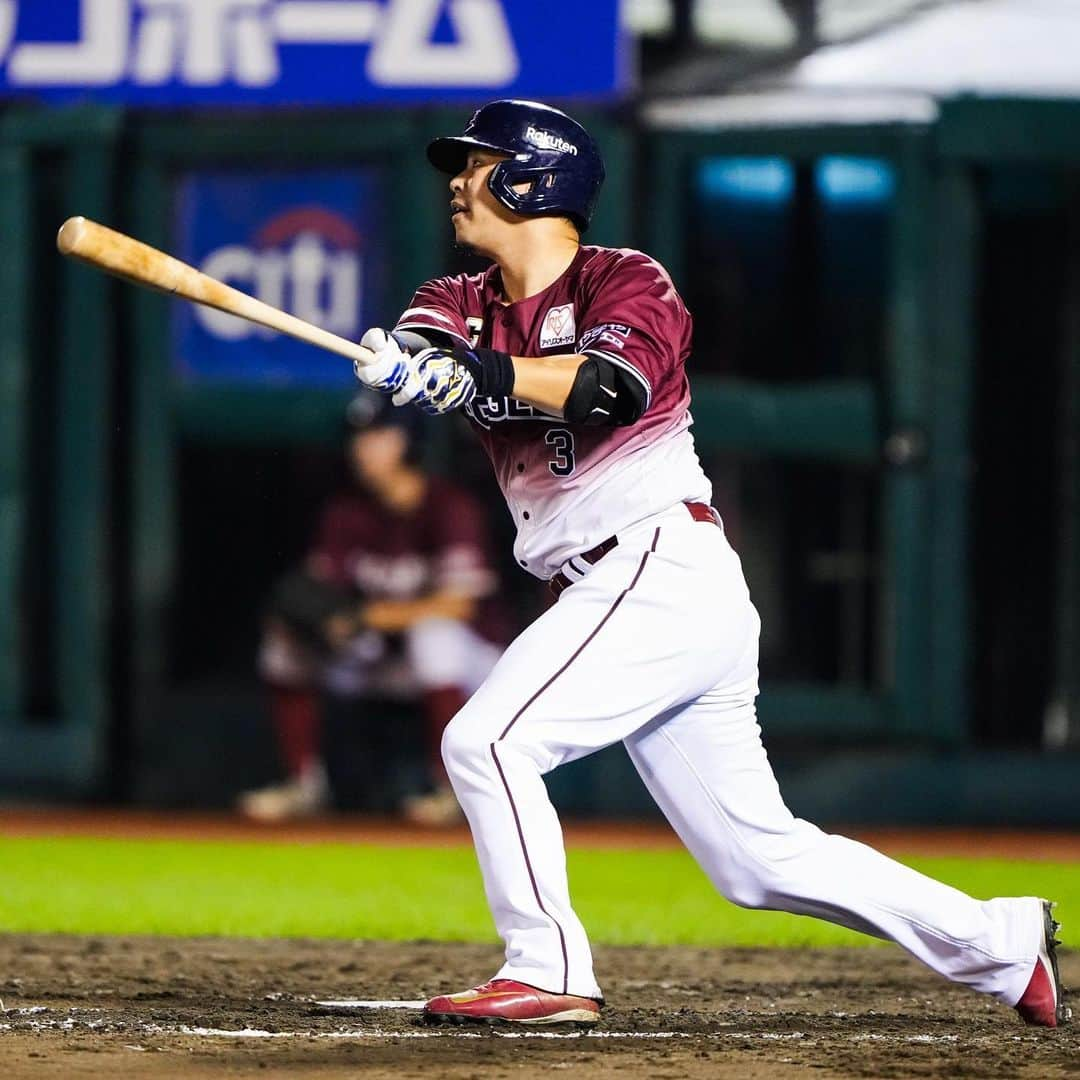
116	253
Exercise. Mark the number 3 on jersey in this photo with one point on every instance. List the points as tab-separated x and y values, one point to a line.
562	443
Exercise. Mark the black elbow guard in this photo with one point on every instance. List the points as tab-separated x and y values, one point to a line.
592	397
601	396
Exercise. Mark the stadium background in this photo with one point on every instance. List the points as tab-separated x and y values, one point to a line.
872	208
880	248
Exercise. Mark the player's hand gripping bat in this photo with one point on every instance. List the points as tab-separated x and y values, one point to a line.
115	253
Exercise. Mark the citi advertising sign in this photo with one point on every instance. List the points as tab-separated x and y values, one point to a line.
234	52
306	242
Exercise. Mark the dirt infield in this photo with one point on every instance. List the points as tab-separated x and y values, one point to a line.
160	1007
168	1007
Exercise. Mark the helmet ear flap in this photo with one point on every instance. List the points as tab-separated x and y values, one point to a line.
504	178
502	186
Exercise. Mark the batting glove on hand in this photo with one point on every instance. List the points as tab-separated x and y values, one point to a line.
389	371
445	383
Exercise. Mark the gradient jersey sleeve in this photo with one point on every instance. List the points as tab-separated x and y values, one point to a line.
443	305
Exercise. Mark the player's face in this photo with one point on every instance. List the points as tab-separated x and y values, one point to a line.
375	454
480	220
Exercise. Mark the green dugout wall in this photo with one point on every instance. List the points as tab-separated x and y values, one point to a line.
55	328
914	424
109	500
886	421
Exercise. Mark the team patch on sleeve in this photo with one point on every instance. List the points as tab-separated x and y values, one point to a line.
612	335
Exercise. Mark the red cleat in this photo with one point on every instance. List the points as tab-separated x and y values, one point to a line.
1041	1004
507	1001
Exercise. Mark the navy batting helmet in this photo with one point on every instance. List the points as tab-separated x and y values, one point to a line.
548	150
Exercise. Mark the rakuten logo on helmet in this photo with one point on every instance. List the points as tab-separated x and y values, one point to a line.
305	261
547	141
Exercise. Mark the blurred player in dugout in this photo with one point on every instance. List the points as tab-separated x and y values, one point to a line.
397	600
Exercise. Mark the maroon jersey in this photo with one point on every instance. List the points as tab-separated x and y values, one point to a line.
568	486
441	545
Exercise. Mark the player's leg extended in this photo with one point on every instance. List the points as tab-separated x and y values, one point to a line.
610	655
706	767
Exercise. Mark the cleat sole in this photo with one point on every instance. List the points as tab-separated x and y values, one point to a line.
1062	1012
581	1019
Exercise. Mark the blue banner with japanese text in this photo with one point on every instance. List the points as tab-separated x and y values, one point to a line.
309	52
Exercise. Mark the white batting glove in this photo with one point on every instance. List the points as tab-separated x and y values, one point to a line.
389	371
444	383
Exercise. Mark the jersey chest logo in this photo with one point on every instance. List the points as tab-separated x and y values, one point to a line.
558	327
488	411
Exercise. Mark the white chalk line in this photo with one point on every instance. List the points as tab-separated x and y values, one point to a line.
497	1033
32	1021
378	1033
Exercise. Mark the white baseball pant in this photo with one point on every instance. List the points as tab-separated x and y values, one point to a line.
657	645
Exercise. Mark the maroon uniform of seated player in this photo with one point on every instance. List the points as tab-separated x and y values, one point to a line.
396	599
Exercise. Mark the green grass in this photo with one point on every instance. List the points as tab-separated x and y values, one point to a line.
93	886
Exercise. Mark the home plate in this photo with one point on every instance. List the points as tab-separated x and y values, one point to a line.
355	1004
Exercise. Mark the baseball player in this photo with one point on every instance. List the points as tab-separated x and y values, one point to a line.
570	360
395	600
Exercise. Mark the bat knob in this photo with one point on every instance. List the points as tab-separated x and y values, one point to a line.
71	232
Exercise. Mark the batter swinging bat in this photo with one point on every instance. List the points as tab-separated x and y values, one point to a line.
80	238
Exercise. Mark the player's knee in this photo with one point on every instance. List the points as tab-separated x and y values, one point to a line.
761	878
465	748
745	891
751	884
